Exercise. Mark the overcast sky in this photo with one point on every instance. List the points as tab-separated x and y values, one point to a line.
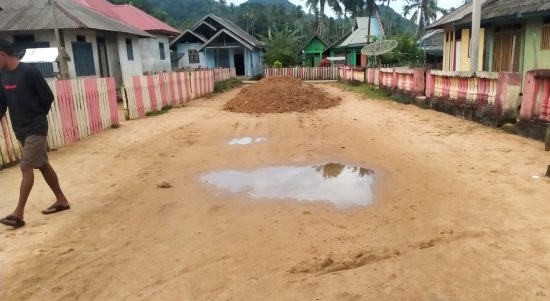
397	5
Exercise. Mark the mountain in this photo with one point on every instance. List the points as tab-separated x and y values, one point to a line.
395	23
285	3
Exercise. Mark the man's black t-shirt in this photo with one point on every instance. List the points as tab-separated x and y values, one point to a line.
28	97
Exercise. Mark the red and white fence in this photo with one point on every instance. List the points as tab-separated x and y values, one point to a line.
305	73
81	108
144	94
536	96
221	74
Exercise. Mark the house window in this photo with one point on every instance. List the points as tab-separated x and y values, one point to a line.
129	50
545	35
194	56
162	52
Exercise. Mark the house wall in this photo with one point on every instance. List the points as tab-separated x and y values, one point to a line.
253	63
129	68
534	57
184	62
465	55
151	54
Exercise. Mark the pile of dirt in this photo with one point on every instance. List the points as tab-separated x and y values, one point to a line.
280	94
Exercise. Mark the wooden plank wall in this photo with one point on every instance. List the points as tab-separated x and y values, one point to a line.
82	107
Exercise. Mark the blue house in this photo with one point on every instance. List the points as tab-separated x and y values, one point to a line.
217	42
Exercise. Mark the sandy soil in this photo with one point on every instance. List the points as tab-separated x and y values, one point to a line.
457	215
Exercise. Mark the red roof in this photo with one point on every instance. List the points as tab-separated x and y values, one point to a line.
129	15
134	16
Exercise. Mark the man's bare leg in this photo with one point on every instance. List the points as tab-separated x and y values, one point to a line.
26	186
51	178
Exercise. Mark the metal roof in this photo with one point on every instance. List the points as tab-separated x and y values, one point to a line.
233	28
359	36
495	9
229	33
309	41
134	16
27	15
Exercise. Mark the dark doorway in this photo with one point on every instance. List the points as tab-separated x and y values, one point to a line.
239	64
103	60
358	59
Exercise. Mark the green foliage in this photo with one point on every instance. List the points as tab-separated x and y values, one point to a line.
277	64
406	52
282	46
227	85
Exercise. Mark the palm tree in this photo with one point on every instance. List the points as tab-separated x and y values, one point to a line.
425	12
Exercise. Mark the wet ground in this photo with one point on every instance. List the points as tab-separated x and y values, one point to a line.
342	185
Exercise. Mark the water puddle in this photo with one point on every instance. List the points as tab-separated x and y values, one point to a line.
247	140
342	185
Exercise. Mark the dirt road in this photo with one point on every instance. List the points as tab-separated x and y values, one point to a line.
457	214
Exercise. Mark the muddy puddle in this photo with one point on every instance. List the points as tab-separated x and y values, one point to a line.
246	140
342	185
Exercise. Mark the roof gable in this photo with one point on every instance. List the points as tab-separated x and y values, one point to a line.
189	36
359	36
223	23
230	34
315	43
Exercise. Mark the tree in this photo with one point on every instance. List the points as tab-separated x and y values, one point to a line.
281	45
424	12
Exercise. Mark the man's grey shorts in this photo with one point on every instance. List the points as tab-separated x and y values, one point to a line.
35	151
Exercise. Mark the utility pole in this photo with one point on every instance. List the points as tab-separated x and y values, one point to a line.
474	43
62	57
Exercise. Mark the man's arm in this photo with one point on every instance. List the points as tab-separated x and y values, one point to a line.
43	92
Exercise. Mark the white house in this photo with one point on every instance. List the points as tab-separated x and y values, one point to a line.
155	50
98	42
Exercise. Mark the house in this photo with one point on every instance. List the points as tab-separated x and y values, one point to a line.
98	45
217	42
311	54
337	55
155	51
351	45
514	36
432	44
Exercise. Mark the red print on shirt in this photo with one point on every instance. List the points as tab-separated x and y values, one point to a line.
10	87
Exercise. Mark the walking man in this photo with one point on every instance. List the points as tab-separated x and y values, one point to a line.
28	97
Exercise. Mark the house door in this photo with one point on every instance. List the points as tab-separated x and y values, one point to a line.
103	60
506	49
239	64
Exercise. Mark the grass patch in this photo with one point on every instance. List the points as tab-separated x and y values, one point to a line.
227	85
163	110
365	90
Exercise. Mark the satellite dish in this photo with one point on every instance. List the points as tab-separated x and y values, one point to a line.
379	48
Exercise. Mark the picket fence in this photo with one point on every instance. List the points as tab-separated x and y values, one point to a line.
81	108
221	74
305	73
144	94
